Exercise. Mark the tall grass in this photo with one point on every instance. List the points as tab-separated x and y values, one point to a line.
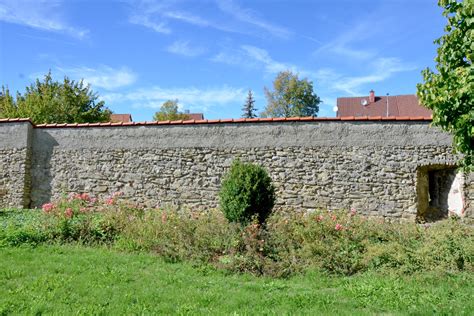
343	243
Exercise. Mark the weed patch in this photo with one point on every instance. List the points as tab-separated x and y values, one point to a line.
340	243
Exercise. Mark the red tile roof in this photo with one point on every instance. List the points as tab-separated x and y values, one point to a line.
195	116
114	118
398	105
233	121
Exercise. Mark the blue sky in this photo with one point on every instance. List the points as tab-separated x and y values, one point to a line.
208	53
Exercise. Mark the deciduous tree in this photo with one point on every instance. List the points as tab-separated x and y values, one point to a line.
449	92
169	111
7	104
291	96
50	101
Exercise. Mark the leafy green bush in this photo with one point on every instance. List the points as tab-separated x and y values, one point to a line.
247	191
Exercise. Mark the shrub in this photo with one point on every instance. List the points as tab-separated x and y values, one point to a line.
247	191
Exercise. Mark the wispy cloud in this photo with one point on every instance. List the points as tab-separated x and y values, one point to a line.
40	14
352	43
147	13
156	15
196	99
271	66
183	48
250	17
380	70
187	17
254	57
102	77
146	21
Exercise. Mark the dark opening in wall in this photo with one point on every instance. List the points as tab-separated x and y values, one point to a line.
439	192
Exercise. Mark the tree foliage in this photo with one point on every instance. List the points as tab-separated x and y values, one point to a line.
450	91
169	112
291	97
248	110
50	101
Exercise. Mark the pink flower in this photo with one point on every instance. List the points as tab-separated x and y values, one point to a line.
48	207
85	197
334	217
71	196
164	217
353	212
68	213
319	218
82	196
338	227
117	194
109	201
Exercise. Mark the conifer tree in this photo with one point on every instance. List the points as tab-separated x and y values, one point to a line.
249	107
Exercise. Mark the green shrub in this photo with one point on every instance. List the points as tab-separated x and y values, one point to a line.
247	191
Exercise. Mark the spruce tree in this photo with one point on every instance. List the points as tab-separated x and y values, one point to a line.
249	107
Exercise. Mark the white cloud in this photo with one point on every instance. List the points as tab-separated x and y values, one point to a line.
234	58
254	57
40	14
260	55
102	77
192	98
250	17
187	17
193	19
146	13
380	70
146	21
357	35
183	48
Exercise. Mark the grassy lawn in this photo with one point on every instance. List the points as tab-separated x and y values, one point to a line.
71	279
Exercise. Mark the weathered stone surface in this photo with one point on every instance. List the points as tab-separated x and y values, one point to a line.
15	164
371	166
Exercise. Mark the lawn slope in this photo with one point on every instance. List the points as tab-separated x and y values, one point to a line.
71	279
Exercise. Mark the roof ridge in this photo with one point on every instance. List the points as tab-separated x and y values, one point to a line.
379	96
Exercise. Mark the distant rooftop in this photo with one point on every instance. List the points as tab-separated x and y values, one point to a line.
372	105
115	118
195	116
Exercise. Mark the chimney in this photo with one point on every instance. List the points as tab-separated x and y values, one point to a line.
371	96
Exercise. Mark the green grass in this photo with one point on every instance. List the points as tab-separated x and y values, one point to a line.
71	279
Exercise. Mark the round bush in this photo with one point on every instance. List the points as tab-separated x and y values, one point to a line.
247	191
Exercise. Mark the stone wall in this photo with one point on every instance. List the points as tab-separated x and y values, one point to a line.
15	164
369	165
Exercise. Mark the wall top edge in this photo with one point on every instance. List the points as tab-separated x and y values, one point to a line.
227	121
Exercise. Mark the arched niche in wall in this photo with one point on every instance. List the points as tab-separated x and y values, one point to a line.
439	191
